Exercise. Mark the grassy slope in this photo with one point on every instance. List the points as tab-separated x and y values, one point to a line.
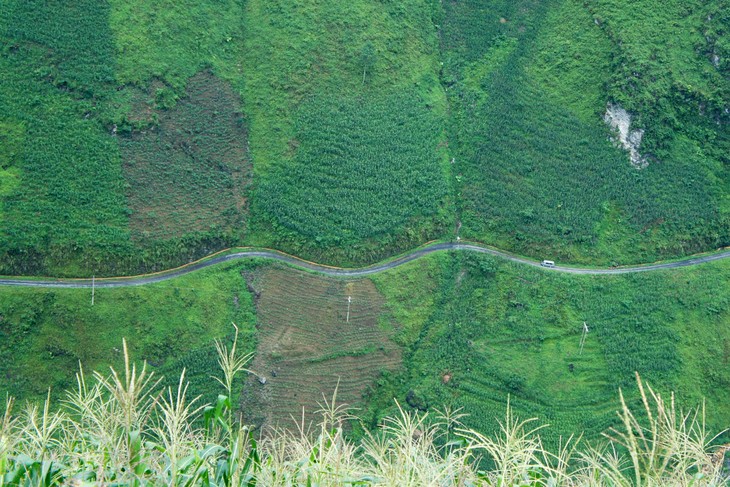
45	334
172	41
133	71
488	329
528	84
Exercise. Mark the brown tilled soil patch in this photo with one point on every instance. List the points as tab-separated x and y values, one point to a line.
306	345
189	172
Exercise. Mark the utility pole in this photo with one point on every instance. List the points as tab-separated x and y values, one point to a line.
93	288
349	300
583	338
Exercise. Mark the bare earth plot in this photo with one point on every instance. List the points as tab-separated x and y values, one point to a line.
306	345
189	169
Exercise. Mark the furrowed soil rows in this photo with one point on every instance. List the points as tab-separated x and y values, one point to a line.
307	345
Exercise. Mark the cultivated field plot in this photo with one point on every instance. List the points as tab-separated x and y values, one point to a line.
306	345
189	171
363	167
347	128
61	185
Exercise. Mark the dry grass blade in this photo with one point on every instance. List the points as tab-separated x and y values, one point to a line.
38	429
410	451
300	458
175	431
517	452
95	419
670	450
230	362
130	405
131	392
8	439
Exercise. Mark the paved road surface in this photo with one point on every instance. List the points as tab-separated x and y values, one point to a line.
334	271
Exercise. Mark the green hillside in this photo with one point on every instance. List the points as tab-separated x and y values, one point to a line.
138	136
46	334
477	329
529	83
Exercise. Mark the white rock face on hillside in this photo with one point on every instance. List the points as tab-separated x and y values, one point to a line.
620	121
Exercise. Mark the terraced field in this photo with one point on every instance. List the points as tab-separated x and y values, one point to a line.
315	335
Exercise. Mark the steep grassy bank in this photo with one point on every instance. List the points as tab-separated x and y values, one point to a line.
63	202
45	334
127	131
475	328
528	84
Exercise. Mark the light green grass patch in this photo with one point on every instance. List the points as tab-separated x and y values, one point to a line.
476	74
411	292
174	40
571	61
45	333
9	180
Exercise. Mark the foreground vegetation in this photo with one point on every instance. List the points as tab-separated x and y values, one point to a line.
120	428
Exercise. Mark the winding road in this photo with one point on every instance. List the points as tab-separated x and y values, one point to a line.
341	272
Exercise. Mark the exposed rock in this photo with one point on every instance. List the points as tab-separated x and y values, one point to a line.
620	121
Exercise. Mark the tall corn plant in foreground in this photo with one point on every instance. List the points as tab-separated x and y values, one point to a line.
240	455
412	450
670	449
307	455
120	430
518	454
